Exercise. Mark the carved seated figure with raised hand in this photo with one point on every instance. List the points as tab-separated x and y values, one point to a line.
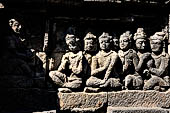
69	73
159	70
103	68
144	56
129	59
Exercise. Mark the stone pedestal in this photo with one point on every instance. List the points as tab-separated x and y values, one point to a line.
81	101
139	99
133	101
136	110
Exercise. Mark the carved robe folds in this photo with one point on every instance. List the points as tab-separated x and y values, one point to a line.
159	72
129	61
69	72
103	70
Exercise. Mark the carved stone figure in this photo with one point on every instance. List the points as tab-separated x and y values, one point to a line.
159	70
129	60
69	73
90	47
103	68
17	56
144	56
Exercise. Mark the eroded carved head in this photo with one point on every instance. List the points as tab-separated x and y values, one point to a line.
140	38
90	42
125	40
105	41
156	41
73	42
15	25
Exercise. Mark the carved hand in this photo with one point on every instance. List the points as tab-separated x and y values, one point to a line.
128	61
76	70
150	63
146	72
145	56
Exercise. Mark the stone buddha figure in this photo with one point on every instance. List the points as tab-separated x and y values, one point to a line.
129	60
69	73
103	67
159	79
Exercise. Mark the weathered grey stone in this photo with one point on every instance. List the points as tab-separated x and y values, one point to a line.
71	61
128	56
80	100
88	110
51	111
64	90
55	61
139	99
41	63
135	110
92	90
159	70
104	74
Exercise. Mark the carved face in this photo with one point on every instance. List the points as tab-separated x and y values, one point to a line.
16	26
156	45
124	43
140	44
104	43
72	44
89	45
116	42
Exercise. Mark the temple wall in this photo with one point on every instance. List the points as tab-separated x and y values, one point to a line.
45	25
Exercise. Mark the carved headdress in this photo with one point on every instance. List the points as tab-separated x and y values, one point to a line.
71	37
158	36
89	36
127	34
140	34
105	35
93	42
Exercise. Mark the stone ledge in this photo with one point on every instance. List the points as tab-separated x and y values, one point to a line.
138	98
69	101
149	101
136	110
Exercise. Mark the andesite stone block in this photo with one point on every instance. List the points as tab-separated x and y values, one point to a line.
137	98
135	110
128	101
69	101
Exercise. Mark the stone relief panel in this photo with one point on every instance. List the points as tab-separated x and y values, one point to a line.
130	61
